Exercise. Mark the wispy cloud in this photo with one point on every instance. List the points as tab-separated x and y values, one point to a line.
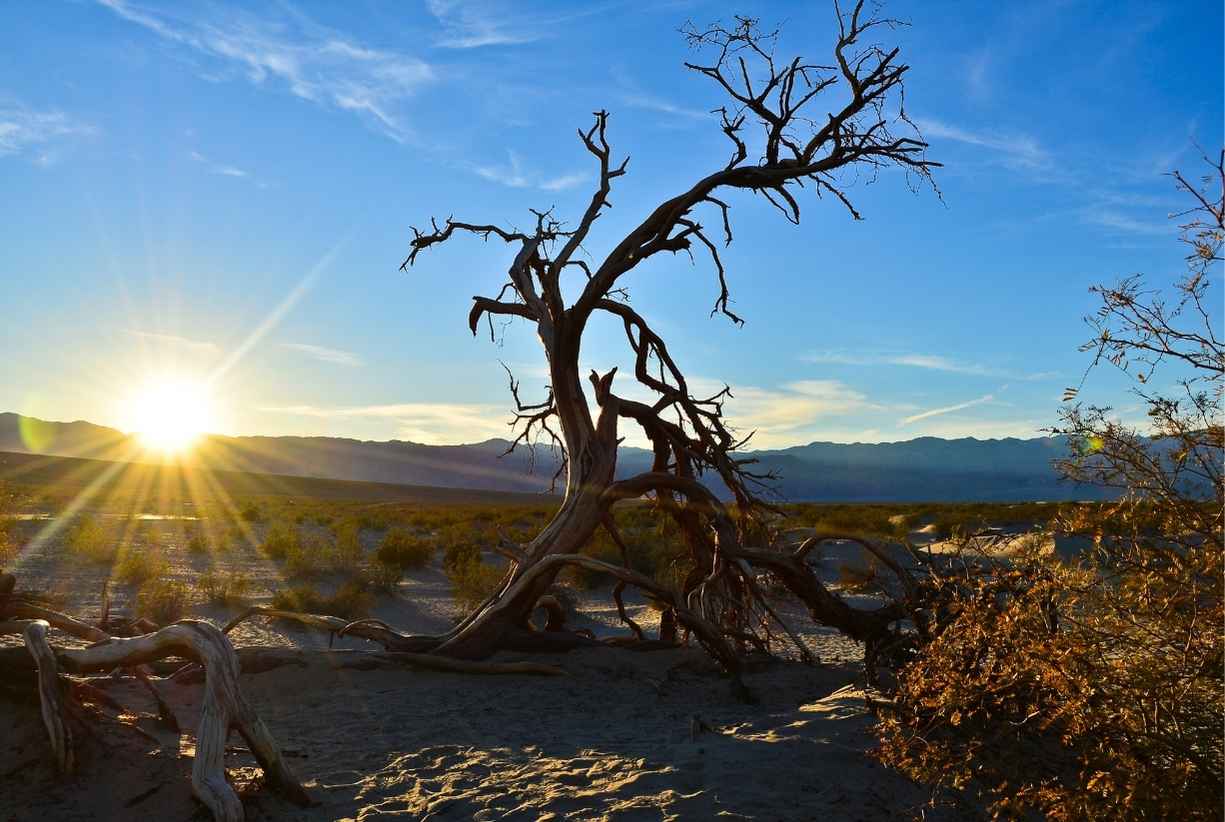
930	362
26	130
1120	222
219	168
1016	150
432	423
308	60
514	174
948	409
328	355
649	102
471	25
792	412
156	338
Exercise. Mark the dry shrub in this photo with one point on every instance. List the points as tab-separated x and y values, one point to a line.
1090	691
401	549
351	600
382	577
224	587
8	542
348	543
474	581
310	555
138	565
89	540
859	579
280	541
1094	690
197	544
162	601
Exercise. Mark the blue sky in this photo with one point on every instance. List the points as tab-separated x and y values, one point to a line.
226	190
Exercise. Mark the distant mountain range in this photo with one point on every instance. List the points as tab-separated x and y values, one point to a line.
923	469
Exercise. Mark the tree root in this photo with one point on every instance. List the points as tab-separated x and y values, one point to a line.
378	632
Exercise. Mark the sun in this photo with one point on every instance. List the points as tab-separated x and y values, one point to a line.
169	414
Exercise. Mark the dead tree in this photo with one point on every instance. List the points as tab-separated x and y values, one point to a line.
820	127
806	143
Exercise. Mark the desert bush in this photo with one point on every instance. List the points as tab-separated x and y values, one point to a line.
601	547
89	540
136	565
474	581
280	541
374	520
8	503
162	601
310	554
859	579
401	549
8	545
223	587
1092	689
348	543
250	512
383	577
351	600
197	543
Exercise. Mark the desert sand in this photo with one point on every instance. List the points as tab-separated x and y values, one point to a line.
623	735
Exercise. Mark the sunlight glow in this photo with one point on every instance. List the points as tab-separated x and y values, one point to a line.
169	414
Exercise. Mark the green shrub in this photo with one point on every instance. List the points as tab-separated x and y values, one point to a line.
162	601
88	539
401	549
224	588
251	513
351	600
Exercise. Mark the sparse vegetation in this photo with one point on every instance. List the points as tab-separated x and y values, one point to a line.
136	565
89	540
197	543
401	549
348	543
163	601
474	580
224	587
351	600
310	554
280	541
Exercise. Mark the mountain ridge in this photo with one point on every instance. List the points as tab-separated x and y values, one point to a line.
923	468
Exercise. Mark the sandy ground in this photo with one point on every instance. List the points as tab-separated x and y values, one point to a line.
614	739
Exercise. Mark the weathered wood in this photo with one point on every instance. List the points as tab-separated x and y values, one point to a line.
224	705
50	695
378	632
